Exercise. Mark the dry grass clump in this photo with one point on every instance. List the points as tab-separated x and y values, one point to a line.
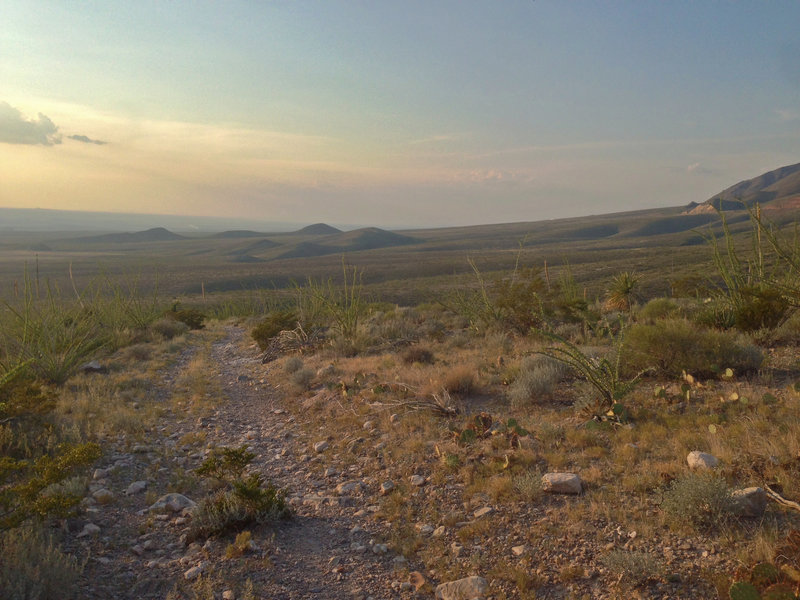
459	380
529	485
33	567
634	568
293	364
417	354
169	328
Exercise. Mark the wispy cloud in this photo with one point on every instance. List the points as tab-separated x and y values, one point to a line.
16	129
787	114
86	140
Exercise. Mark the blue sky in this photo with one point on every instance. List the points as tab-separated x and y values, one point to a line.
392	113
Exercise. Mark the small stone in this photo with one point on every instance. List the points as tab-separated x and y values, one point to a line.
416	579
137	550
749	502
228	595
192	573
394	418
369	425
331	472
386	487
439	531
92	367
347	488
456	549
426	529
137	487
100	474
482	512
321	446
250	435
701	460
172	503
518	550
89	529
417	480
469	588
562	483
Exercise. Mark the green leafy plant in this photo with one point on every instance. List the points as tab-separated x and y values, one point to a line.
483	426
603	374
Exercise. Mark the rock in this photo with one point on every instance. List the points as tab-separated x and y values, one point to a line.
469	588
137	487
93	367
417	480
562	483
394	418
331	472
386	487
100	474
103	496
369	425
456	549
89	529
228	595
416	579
482	512
321	446
172	503
425	529
701	460
193	573
518	550
348	487
749	502
439	531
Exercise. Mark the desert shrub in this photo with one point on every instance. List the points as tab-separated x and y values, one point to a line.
302	378
676	345
459	380
634	568
623	291
139	352
536	379
191	317
760	307
243	500
699	499
786	334
658	308
417	354
169	328
34	568
248	502
293	364
272	325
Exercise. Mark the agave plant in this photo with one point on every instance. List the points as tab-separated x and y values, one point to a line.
623	291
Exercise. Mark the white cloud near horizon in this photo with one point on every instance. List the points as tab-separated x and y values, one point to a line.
16	129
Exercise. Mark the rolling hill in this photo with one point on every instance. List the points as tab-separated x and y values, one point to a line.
778	187
156	234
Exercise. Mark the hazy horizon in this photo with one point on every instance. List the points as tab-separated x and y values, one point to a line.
399	115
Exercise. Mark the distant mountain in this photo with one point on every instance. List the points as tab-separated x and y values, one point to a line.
319	229
156	234
237	234
370	238
779	188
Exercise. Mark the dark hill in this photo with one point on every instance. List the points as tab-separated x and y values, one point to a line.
157	234
370	239
319	229
237	234
769	187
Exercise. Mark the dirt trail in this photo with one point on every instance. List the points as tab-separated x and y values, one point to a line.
326	550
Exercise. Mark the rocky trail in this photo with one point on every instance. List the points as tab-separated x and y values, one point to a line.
325	550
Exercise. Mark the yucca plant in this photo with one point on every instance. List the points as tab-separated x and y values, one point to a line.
601	373
623	291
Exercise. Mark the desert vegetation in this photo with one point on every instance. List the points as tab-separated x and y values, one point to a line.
456	409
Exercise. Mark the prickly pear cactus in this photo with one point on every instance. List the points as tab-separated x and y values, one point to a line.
742	590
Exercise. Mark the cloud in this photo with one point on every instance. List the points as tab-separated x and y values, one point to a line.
86	140
787	114
16	129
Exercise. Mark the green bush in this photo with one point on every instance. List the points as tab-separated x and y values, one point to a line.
272	325
676	345
191	317
33	567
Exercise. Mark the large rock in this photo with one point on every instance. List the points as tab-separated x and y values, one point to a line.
749	502
469	588
172	503
701	461
562	483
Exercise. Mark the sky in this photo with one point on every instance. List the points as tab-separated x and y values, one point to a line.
395	114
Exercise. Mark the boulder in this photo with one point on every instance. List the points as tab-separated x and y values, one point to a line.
172	503
469	588
701	461
562	483
749	502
